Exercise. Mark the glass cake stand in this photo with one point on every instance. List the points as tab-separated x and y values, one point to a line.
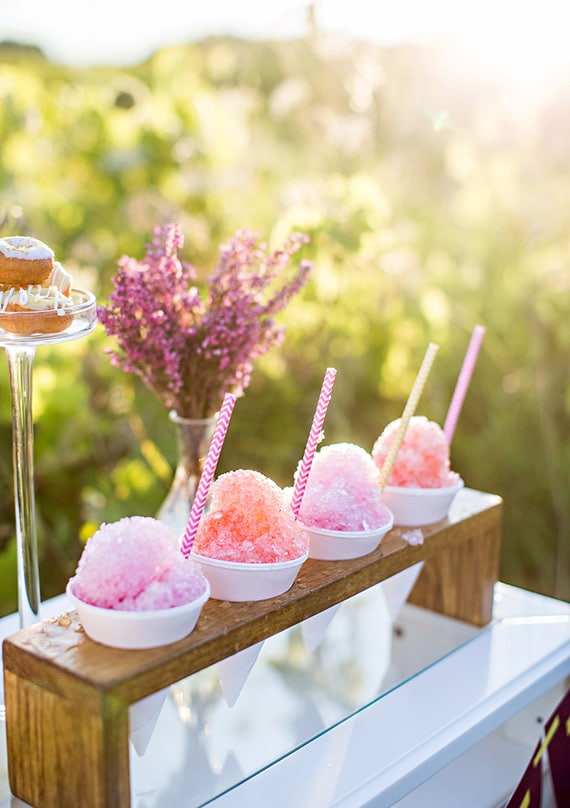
20	351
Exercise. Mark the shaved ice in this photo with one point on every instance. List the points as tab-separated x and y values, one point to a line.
135	564
423	458
249	521
343	491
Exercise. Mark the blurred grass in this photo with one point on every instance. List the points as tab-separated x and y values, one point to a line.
433	203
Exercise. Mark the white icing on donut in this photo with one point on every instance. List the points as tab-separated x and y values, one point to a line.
35	298
6	297
60	278
25	247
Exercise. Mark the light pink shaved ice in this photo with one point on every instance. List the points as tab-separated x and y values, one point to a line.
249	520
423	458
136	564
342	492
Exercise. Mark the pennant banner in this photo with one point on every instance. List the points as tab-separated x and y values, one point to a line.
557	734
528	793
554	743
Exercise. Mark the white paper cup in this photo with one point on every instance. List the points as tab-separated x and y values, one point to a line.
142	629
419	506
241	581
339	545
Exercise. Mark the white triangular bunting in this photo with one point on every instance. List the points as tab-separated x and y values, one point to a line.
143	716
313	629
397	588
234	671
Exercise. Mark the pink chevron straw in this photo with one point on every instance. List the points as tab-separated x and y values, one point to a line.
409	410
313	440
463	382
207	474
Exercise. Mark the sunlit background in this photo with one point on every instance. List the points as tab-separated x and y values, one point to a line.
523	42
424	149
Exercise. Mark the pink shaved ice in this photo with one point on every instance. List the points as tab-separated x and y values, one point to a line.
342	492
249	520
423	458
135	564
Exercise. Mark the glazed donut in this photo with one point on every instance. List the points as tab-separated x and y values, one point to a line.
34	309
24	261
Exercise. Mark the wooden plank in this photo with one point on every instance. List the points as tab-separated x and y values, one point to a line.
71	663
67	697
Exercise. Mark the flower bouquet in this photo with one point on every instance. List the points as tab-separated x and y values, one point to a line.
191	346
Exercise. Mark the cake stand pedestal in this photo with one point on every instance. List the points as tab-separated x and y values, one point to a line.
20	351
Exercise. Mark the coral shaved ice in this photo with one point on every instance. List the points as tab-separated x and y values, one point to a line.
423	458
249	521
135	564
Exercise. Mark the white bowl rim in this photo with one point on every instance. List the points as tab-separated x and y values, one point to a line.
266	566
425	492
140	614
350	535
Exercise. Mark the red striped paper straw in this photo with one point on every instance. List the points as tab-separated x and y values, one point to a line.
409	410
313	440
207	475
463	382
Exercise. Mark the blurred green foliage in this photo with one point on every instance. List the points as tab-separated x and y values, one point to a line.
433	202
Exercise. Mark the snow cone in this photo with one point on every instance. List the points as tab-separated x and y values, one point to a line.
341	511
133	588
421	486
248	545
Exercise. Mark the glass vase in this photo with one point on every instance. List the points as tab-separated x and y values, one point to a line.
193	436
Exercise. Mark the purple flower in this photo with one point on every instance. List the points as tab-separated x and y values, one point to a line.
188	347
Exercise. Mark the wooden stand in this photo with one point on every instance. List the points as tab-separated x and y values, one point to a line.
67	697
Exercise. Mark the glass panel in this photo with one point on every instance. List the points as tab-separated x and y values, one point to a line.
202	747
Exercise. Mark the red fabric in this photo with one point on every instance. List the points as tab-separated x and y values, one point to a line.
557	728
528	793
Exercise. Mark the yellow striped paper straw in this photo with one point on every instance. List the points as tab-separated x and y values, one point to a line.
409	410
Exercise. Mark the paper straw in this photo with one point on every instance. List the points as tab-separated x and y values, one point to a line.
463	382
313	440
207	474
409	410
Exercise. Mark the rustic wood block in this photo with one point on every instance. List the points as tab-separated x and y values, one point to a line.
62	754
67	697
459	581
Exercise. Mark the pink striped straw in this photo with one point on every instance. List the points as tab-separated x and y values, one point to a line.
463	382
314	437
409	410
207	475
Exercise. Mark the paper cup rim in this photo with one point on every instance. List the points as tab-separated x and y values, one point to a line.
350	535
250	565
140	615
426	492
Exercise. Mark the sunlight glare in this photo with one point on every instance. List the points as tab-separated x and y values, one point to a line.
524	44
